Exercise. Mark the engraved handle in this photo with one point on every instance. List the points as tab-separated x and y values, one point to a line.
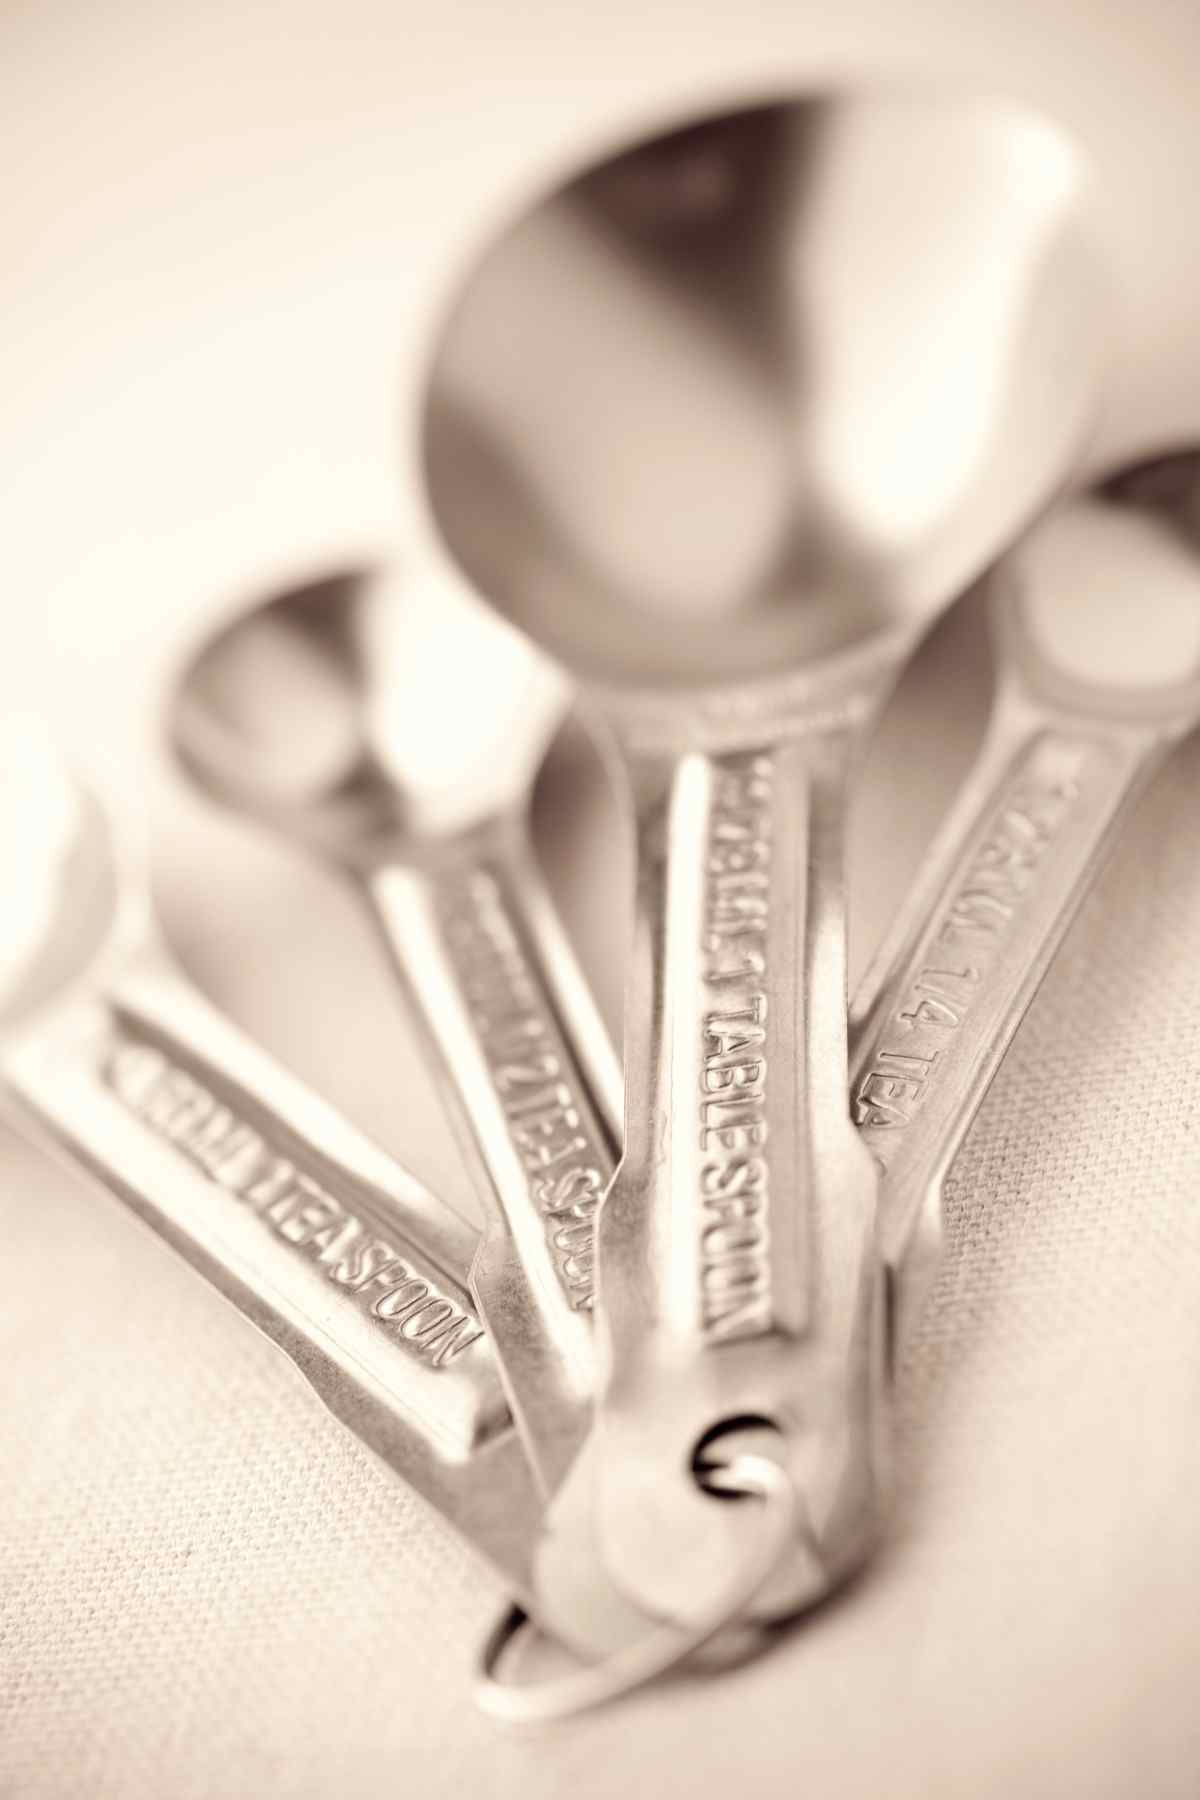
1002	882
331	1249
531	1083
737	1271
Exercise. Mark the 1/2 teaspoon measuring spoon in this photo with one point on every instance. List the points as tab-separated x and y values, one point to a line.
393	729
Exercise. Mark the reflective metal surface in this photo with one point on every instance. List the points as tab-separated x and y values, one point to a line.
722	422
738	398
644	1658
1097	649
334	1251
390	725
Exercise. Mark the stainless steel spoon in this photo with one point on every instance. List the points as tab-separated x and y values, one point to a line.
393	728
722	422
336	1253
1097	645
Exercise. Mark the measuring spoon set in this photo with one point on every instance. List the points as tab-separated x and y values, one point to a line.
718	426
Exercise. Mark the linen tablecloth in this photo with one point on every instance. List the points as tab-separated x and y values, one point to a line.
227	231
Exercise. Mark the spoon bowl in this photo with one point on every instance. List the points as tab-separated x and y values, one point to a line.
1106	591
748	394
61	899
362	710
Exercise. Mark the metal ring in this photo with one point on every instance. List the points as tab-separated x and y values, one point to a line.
595	1684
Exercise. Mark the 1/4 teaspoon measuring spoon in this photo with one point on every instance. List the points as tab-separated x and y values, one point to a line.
337	1254
1096	625
722	423
394	729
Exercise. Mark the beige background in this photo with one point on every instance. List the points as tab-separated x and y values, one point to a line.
225	230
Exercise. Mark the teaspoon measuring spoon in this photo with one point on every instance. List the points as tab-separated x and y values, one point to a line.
393	728
1096	626
337	1254
722	423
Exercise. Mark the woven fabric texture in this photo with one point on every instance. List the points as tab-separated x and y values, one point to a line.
210	1590
229	227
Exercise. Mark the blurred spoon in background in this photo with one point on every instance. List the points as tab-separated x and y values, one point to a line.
1096	633
342	1259
392	728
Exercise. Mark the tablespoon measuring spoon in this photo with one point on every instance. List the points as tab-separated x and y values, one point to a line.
1096	641
393	728
110	1057
1096	627
722	423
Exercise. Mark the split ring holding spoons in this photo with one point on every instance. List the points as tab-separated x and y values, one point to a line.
665	1646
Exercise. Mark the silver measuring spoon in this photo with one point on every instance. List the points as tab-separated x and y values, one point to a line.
393	728
1096	630
110	1057
722	423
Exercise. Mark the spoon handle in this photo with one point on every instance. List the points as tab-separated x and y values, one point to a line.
1019	850
737	1276
331	1249
530	1084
